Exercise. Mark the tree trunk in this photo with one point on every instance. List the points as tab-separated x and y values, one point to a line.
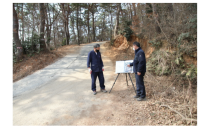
128	8
53	27
118	17
80	26
64	32
66	29
72	20
54	41
67	33
67	25
16	36
88	28
121	10
115	28
22	24
102	36
48	28
18	17
117	20
18	11
88	24
142	15
57	33
28	32
57	43
42	27
130	11
111	22
77	25
140	11
157	28
48	35
93	20
93	26
134	8
33	45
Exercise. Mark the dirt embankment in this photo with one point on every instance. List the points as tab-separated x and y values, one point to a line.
168	99
121	44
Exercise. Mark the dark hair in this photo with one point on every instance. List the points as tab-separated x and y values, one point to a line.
96	46
137	44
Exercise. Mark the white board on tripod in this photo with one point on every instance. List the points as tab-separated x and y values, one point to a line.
121	66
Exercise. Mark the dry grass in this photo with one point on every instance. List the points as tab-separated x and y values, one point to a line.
174	100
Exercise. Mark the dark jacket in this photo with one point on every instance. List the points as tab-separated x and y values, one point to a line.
139	63
95	60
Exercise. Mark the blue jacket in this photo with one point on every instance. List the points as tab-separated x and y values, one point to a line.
95	60
139	63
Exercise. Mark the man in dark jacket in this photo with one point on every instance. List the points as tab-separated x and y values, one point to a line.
139	68
96	69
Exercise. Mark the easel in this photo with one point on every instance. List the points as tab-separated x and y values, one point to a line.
126	81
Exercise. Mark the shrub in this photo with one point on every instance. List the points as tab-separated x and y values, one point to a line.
127	30
26	47
30	43
112	41
192	73
160	63
63	42
156	43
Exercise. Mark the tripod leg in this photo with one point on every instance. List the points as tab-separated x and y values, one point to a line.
126	79
132	83
114	82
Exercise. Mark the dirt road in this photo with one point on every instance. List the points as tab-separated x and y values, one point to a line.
60	94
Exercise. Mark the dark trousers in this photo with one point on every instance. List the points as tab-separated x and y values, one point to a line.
140	87
100	76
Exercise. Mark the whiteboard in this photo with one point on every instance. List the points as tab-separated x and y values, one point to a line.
121	66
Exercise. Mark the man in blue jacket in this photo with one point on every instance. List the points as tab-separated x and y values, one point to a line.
96	69
139	68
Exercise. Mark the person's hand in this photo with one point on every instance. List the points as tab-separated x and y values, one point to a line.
102	69
128	65
138	73
90	71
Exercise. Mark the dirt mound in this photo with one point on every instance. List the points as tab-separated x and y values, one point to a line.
120	42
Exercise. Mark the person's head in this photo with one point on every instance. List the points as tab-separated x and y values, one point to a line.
136	45
96	47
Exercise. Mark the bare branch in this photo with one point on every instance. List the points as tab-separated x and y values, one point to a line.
184	118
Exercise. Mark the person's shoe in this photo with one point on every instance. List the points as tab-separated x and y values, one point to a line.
136	96
103	90
94	92
141	99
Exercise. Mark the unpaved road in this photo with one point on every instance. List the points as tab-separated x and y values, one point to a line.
60	94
